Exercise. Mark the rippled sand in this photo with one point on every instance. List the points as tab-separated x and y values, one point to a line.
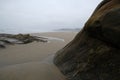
33	61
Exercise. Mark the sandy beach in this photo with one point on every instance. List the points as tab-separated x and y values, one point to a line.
33	61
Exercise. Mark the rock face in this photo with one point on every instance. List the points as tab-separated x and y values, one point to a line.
94	54
19	39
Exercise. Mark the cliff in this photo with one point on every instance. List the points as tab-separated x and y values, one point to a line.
94	54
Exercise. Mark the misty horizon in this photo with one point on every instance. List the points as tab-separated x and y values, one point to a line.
38	15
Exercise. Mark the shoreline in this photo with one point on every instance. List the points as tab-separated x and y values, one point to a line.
8	39
33	61
49	31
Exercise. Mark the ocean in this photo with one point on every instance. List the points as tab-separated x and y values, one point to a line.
16	30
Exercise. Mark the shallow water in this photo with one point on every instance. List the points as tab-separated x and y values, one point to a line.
53	38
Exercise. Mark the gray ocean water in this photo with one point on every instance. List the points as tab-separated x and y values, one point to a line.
34	29
16	30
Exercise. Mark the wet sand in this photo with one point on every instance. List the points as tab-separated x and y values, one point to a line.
34	61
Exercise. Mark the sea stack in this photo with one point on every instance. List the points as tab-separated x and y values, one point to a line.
94	54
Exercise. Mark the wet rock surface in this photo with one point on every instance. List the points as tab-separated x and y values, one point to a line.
9	39
94	54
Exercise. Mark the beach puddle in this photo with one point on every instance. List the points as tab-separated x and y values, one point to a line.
53	38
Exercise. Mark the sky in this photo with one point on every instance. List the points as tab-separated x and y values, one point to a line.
45	14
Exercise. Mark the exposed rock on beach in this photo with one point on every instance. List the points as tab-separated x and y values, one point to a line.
19	39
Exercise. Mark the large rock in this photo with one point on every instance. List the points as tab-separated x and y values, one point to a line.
94	54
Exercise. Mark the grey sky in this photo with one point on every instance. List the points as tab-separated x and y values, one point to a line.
45	13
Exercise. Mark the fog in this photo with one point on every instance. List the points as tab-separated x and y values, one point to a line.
45	14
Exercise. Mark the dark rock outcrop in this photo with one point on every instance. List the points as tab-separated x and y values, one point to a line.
94	54
19	39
